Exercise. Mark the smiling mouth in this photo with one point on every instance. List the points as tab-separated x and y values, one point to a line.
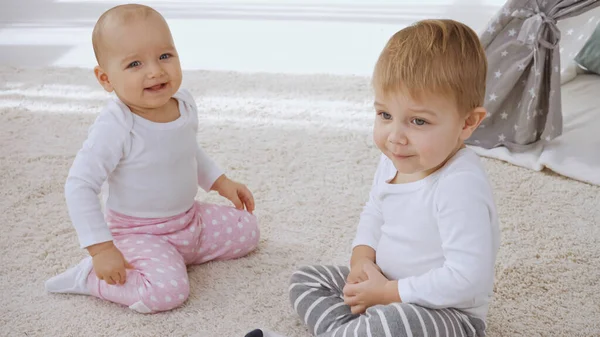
157	87
401	156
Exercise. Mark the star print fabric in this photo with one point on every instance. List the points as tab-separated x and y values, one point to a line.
160	249
524	63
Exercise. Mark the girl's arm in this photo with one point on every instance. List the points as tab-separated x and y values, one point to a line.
97	158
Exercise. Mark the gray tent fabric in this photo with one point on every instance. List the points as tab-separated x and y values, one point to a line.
523	82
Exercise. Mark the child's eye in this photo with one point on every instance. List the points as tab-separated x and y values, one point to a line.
385	115
419	122
165	56
134	64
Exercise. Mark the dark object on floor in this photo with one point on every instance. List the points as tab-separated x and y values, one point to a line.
255	333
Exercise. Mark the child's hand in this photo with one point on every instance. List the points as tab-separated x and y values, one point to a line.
237	193
109	263
377	289
357	273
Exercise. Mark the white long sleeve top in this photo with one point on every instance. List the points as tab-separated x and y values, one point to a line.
438	236
152	169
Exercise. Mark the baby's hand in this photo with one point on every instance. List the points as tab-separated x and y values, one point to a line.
109	263
357	273
237	193
377	289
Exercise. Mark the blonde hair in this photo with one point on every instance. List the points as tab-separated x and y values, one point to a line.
434	57
118	15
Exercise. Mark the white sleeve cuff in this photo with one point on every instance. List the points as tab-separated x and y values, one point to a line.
207	178
94	237
406	291
208	170
364	242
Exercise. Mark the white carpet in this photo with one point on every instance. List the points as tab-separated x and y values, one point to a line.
302	144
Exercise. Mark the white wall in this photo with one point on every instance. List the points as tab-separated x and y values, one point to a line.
329	36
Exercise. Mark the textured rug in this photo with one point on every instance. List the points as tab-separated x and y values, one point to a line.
303	145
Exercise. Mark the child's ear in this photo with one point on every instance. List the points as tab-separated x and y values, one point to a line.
102	78
472	121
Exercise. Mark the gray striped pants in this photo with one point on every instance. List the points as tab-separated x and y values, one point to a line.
317	296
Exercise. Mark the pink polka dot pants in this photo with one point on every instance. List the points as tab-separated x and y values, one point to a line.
160	249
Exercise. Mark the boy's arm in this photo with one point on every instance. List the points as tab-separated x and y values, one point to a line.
98	157
465	205
362	252
366	240
368	231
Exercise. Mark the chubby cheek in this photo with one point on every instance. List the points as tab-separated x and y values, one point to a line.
175	69
135	83
130	86
429	155
379	137
175	76
434	149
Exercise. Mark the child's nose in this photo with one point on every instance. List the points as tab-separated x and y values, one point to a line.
398	136
155	70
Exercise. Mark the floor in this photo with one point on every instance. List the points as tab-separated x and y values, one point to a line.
303	146
276	36
544	283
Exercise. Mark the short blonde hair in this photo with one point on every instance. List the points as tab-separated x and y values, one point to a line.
434	57
118	15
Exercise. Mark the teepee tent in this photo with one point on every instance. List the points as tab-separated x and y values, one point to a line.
523	97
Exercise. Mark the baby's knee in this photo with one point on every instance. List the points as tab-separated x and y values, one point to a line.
249	220
249	223
164	296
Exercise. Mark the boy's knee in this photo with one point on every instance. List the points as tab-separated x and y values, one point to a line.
300	275
300	283
391	313
390	310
